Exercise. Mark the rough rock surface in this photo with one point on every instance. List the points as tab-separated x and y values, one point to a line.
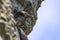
17	14
27	13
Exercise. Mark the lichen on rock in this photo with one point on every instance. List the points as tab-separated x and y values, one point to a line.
30	7
17	14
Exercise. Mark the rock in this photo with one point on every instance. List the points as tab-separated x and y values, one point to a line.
26	14
17	13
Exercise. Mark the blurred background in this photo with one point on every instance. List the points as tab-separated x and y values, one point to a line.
48	24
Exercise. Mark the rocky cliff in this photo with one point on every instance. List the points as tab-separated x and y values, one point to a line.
16	15
29	19
24	12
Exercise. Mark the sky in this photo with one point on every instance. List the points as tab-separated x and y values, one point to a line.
47	26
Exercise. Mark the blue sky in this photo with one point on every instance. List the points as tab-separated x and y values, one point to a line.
48	24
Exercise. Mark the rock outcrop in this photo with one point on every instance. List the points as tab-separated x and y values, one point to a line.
27	11
17	16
